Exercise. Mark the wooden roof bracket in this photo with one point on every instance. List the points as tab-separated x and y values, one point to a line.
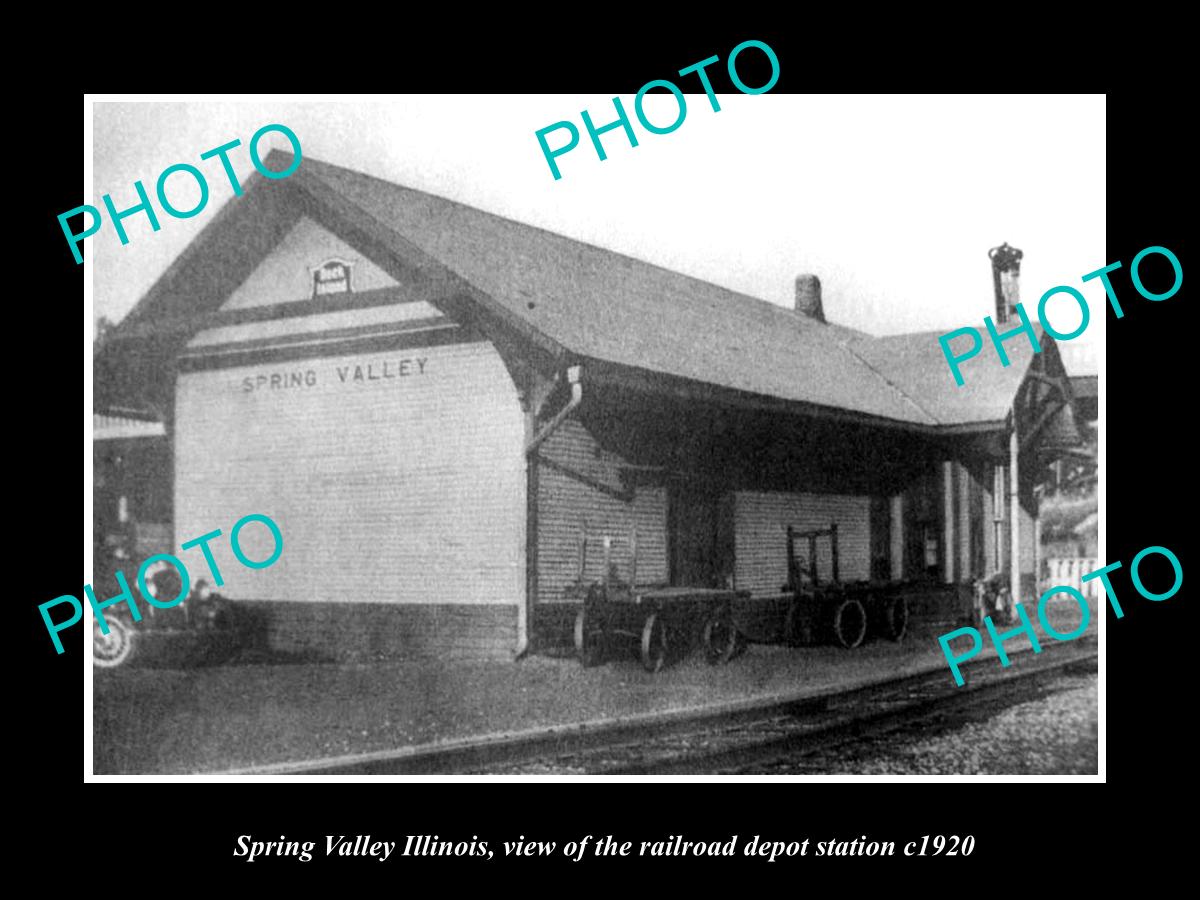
573	378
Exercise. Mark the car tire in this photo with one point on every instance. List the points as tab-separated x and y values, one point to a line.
117	648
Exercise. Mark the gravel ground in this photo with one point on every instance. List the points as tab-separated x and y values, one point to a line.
1054	735
235	716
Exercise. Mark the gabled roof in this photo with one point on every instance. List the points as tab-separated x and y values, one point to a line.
914	364
587	302
603	305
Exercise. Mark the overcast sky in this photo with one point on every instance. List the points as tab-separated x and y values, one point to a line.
892	201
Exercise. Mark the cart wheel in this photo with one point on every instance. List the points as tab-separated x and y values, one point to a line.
895	618
587	640
112	649
850	623
654	643
720	640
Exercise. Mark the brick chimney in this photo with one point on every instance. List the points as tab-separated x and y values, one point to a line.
1006	276
808	297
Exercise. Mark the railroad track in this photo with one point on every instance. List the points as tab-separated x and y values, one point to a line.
778	735
751	737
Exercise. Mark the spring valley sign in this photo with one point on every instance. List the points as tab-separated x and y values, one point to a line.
389	369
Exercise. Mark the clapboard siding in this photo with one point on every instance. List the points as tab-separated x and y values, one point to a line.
760	536
569	509
387	489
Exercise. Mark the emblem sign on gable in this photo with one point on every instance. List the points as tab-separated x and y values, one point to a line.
332	277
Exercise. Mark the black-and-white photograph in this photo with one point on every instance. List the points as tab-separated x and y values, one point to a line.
526	436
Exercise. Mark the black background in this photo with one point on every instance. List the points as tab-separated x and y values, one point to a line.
144	837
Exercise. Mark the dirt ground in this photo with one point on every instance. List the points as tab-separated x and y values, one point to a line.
205	719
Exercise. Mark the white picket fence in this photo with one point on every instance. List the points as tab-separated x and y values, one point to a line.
1069	571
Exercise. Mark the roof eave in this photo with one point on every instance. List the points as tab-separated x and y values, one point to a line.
646	380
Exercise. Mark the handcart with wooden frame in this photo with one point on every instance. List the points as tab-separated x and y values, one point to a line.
835	611
657	617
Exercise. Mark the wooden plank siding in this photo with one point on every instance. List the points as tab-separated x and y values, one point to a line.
761	520
569	508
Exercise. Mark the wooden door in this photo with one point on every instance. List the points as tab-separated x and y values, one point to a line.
701	535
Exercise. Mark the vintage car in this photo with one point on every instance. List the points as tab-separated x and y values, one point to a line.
202	629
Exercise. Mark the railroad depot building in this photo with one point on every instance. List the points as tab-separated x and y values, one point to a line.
447	413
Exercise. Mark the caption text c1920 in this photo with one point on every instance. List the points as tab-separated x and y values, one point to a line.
425	845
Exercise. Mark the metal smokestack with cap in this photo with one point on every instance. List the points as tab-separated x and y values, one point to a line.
1006	275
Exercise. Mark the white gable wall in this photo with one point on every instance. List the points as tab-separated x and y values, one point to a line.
386	444
388	487
285	276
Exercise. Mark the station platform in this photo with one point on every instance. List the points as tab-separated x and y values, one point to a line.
251	714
